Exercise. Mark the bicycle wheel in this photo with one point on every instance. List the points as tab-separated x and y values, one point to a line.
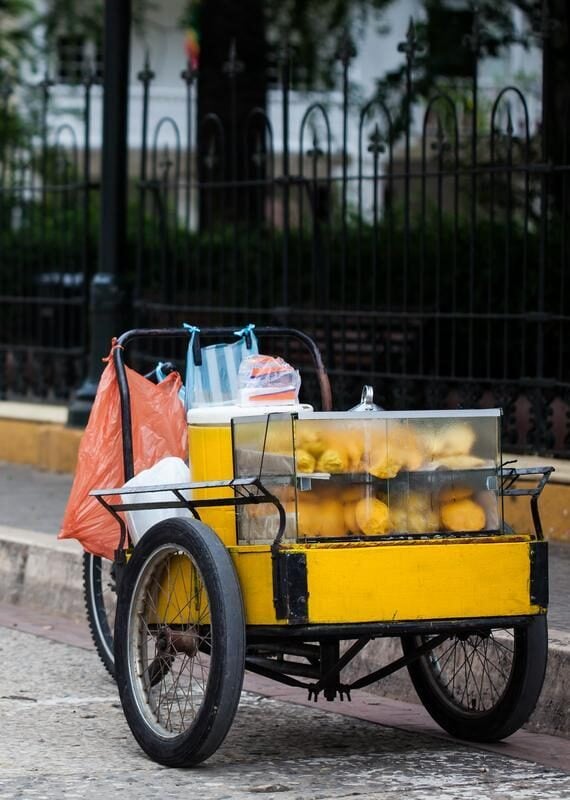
482	685
179	642
99	592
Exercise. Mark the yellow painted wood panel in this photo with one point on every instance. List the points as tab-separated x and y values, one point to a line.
397	582
254	569
423	581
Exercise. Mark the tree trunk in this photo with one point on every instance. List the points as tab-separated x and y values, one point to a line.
556	83
231	82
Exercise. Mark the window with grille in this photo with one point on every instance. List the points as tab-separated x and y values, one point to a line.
447	27
75	55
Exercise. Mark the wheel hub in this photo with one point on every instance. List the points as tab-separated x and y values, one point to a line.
168	644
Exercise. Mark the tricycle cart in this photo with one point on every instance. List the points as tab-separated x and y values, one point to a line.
308	535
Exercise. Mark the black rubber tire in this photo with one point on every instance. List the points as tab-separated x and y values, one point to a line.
99	595
512	706
153	694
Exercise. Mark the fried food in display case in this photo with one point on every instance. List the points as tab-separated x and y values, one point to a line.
379	474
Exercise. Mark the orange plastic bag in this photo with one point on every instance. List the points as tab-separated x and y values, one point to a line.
159	430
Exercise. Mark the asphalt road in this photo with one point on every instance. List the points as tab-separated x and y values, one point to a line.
63	735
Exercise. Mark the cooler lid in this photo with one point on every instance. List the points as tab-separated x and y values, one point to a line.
222	415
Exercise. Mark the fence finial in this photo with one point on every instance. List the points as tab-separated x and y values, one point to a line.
346	49
233	66
411	45
146	74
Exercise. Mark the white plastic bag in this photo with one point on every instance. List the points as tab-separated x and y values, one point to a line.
167	471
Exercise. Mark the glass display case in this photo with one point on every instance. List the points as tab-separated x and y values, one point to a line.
372	475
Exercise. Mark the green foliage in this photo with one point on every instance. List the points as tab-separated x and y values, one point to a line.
16	39
85	18
438	52
435	251
314	30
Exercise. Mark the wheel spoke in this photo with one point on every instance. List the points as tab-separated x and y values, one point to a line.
173	680
472	671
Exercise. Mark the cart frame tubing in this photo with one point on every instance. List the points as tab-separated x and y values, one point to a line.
171	333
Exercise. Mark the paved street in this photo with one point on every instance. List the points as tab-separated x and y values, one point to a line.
31	498
63	735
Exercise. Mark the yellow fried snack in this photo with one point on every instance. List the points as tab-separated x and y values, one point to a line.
412	458
415	501
333	460
452	493
385	468
372	516
307	518
489	502
455	439
311	439
404	520
350	494
463	515
331	518
428	440
351	441
386	453
305	461
350	517
404	445
354	450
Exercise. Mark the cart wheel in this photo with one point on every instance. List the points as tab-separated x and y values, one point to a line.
99	592
179	642
482	685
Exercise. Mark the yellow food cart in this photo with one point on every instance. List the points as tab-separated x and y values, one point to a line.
311	533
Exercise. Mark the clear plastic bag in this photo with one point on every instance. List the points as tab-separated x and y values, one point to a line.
212	371
268	379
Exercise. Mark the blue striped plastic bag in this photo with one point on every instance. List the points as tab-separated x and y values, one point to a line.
212	371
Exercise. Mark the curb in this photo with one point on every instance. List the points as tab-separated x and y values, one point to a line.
38	572
44	445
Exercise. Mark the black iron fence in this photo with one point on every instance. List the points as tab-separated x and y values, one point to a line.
425	248
48	210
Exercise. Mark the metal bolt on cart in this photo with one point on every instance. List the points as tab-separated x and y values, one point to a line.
309	534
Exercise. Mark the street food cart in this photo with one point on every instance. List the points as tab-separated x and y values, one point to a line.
308	535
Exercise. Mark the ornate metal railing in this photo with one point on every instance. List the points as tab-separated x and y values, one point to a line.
424	245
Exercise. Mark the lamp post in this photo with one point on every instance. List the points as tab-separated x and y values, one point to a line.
105	289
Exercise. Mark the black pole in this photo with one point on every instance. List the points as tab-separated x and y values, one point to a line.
105	287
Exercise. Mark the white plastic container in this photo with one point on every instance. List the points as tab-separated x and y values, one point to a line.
166	471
